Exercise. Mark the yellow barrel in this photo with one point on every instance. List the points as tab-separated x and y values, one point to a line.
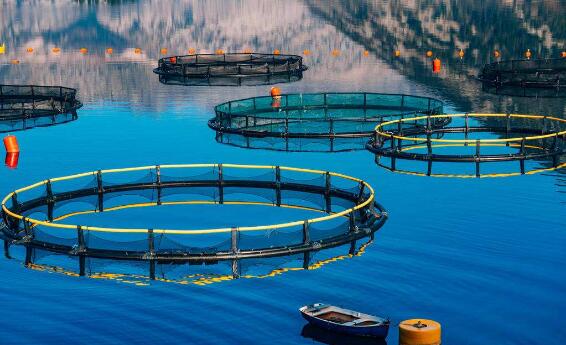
419	332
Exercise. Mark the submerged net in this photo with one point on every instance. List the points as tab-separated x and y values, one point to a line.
229	65
341	117
24	103
541	73
473	138
38	215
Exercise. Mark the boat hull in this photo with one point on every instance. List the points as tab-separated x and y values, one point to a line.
377	331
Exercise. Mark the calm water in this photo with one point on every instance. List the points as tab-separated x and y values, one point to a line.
484	257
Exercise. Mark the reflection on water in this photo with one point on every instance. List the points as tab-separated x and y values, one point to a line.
470	253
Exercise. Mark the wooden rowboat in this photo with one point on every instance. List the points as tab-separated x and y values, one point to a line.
345	321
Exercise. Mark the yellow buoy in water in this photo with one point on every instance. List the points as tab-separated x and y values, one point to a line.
429	53
563	54
3	48
219	51
276	52
56	50
397	53
192	51
528	54
366	53
461	54
335	52
306	52
137	51
496	54
29	50
109	51
163	51
419	332
15	61
83	50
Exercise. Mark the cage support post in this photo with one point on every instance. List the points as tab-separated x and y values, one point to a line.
278	185
158	183
327	198
466	128
522	159
478	157
7	249
220	184
306	232
306	260
100	191
507	127
50	200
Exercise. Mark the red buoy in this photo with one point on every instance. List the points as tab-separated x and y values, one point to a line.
275	92
11	144
436	65
12	159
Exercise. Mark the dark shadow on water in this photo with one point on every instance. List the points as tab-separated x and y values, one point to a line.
333	338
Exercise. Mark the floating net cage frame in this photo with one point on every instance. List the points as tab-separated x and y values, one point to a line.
139	274
30	104
399	139
236	65
327	117
538	73
269	79
352	208
518	91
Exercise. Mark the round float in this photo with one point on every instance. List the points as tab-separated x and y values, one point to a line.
419	332
314	121
498	138
35	215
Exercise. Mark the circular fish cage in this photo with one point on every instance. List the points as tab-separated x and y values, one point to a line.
234	65
518	91
314	121
34	215
540	73
486	138
24	107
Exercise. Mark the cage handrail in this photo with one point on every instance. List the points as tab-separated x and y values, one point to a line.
345	212
379	129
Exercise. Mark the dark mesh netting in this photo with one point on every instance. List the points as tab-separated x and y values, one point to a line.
49	209
540	73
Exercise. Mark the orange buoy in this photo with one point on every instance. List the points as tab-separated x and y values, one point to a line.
173	59
248	51
275	92
335	52
419	332
29	50
56	50
276	52
83	50
14	61
192	51
11	144
563	54
137	51
12	159
306	52
461	54
219	52
397	53
366	53
429	53
496	54
528	54
163	51
109	51
436	63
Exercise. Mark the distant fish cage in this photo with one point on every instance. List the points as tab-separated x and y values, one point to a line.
235	65
539	73
255	80
520	138
30	101
332	121
33	215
